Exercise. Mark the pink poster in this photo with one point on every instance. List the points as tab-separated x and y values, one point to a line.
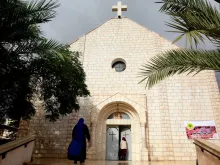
201	130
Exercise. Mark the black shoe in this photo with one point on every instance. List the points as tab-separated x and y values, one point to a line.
82	161
75	162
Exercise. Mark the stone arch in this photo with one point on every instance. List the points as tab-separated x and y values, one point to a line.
138	109
122	106
99	144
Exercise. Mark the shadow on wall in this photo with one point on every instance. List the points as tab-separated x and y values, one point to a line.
147	133
53	138
217	74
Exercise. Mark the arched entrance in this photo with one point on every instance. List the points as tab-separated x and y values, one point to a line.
103	123
114	135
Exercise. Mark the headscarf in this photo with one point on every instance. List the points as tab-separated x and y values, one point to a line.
124	139
79	134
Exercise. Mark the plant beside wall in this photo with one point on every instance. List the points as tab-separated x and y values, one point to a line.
32	66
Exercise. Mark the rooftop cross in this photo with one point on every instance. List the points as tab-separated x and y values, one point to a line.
119	8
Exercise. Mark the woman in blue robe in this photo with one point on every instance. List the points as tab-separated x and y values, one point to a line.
80	133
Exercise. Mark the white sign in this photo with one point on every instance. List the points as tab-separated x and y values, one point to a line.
201	129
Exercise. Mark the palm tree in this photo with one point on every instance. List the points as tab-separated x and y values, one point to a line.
197	20
32	65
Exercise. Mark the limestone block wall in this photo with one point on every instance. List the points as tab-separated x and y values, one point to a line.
171	103
117	38
218	78
23	130
80	47
167	105
53	138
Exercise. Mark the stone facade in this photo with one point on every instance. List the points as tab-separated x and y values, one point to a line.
157	115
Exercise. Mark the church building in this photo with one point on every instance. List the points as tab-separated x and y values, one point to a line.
119	106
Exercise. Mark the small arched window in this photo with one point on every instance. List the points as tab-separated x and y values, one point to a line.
119	115
119	65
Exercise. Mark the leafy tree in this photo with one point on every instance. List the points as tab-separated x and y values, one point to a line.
197	20
33	66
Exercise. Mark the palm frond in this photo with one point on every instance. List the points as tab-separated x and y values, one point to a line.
177	62
194	19
48	48
32	64
42	11
19	19
179	6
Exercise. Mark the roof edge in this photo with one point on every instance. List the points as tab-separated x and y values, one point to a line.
91	31
133	22
154	32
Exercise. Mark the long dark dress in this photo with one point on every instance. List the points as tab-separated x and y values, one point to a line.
82	156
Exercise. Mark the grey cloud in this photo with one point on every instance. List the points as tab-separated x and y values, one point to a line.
77	17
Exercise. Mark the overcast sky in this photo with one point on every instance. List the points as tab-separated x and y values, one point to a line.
77	17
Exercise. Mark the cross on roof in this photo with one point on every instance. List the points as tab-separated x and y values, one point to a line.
119	8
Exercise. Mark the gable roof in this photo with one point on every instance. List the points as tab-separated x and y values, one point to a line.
131	21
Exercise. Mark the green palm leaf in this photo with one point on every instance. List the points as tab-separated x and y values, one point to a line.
42	11
178	62
194	19
33	65
18	18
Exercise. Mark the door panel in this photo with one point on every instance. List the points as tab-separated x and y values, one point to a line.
112	143
126	132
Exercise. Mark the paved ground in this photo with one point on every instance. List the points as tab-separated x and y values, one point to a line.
67	162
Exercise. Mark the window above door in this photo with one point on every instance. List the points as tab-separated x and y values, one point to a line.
118	115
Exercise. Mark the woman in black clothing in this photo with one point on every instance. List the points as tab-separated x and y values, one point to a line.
80	133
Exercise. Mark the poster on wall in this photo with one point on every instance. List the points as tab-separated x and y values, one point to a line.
201	130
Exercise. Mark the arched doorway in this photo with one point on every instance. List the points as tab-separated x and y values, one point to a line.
114	135
103	124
